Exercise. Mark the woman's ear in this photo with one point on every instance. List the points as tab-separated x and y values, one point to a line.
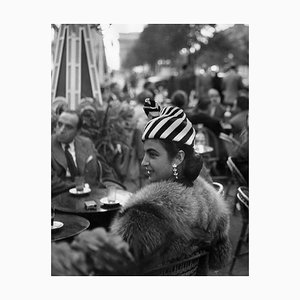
179	157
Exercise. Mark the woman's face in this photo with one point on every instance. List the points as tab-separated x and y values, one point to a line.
156	161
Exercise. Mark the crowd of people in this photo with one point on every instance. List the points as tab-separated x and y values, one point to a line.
143	141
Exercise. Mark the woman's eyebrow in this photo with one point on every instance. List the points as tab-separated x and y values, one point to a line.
151	149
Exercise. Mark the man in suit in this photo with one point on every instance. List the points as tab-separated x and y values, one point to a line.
216	109
73	156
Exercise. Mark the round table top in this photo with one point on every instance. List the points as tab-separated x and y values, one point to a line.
202	149
72	225
67	202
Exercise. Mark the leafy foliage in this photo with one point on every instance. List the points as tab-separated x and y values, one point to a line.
95	252
109	127
164	41
114	131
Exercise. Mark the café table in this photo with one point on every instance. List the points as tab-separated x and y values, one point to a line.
101	215
71	225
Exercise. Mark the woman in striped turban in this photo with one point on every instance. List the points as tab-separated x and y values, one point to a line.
178	212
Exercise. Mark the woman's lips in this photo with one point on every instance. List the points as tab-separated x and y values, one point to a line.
148	172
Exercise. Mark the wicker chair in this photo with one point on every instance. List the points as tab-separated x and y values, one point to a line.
195	265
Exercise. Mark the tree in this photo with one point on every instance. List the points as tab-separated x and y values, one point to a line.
202	41
233	42
158	41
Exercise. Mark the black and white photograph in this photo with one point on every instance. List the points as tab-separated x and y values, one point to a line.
150	150
160	119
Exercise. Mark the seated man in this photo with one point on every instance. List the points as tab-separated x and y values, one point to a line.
200	115
73	155
216	109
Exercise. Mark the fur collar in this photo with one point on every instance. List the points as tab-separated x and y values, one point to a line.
183	207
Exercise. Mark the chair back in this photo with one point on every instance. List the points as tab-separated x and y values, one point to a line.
219	188
212	140
197	264
229	143
236	172
243	200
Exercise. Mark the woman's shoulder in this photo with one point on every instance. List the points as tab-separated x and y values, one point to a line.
207	195
157	193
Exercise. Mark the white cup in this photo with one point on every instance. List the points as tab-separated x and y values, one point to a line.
111	196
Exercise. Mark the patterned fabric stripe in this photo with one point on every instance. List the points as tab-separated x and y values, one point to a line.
151	107
186	136
174	133
173	129
157	123
171	124
191	140
165	112
171	110
174	126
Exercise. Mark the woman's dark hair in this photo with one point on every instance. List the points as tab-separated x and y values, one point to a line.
192	163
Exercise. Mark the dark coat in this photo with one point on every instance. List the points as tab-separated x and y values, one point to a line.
86	159
169	213
198	117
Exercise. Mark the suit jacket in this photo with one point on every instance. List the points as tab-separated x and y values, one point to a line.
211	123
219	112
86	159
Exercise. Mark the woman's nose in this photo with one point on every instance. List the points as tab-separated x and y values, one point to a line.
144	162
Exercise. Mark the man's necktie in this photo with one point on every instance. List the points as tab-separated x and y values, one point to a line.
70	161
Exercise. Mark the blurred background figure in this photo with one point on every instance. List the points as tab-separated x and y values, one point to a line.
115	92
89	115
139	114
216	80
232	83
240	115
186	79
58	106
161	95
200	115
150	87
216	109
180	99
203	83
54	119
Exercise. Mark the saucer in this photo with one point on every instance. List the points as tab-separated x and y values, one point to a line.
85	191
57	225
105	202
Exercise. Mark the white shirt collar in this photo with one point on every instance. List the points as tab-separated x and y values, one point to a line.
72	146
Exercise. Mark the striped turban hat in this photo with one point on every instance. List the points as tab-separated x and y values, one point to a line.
170	124
151	108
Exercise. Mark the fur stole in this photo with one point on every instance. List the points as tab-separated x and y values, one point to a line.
168	213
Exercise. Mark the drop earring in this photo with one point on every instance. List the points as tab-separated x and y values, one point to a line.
175	171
